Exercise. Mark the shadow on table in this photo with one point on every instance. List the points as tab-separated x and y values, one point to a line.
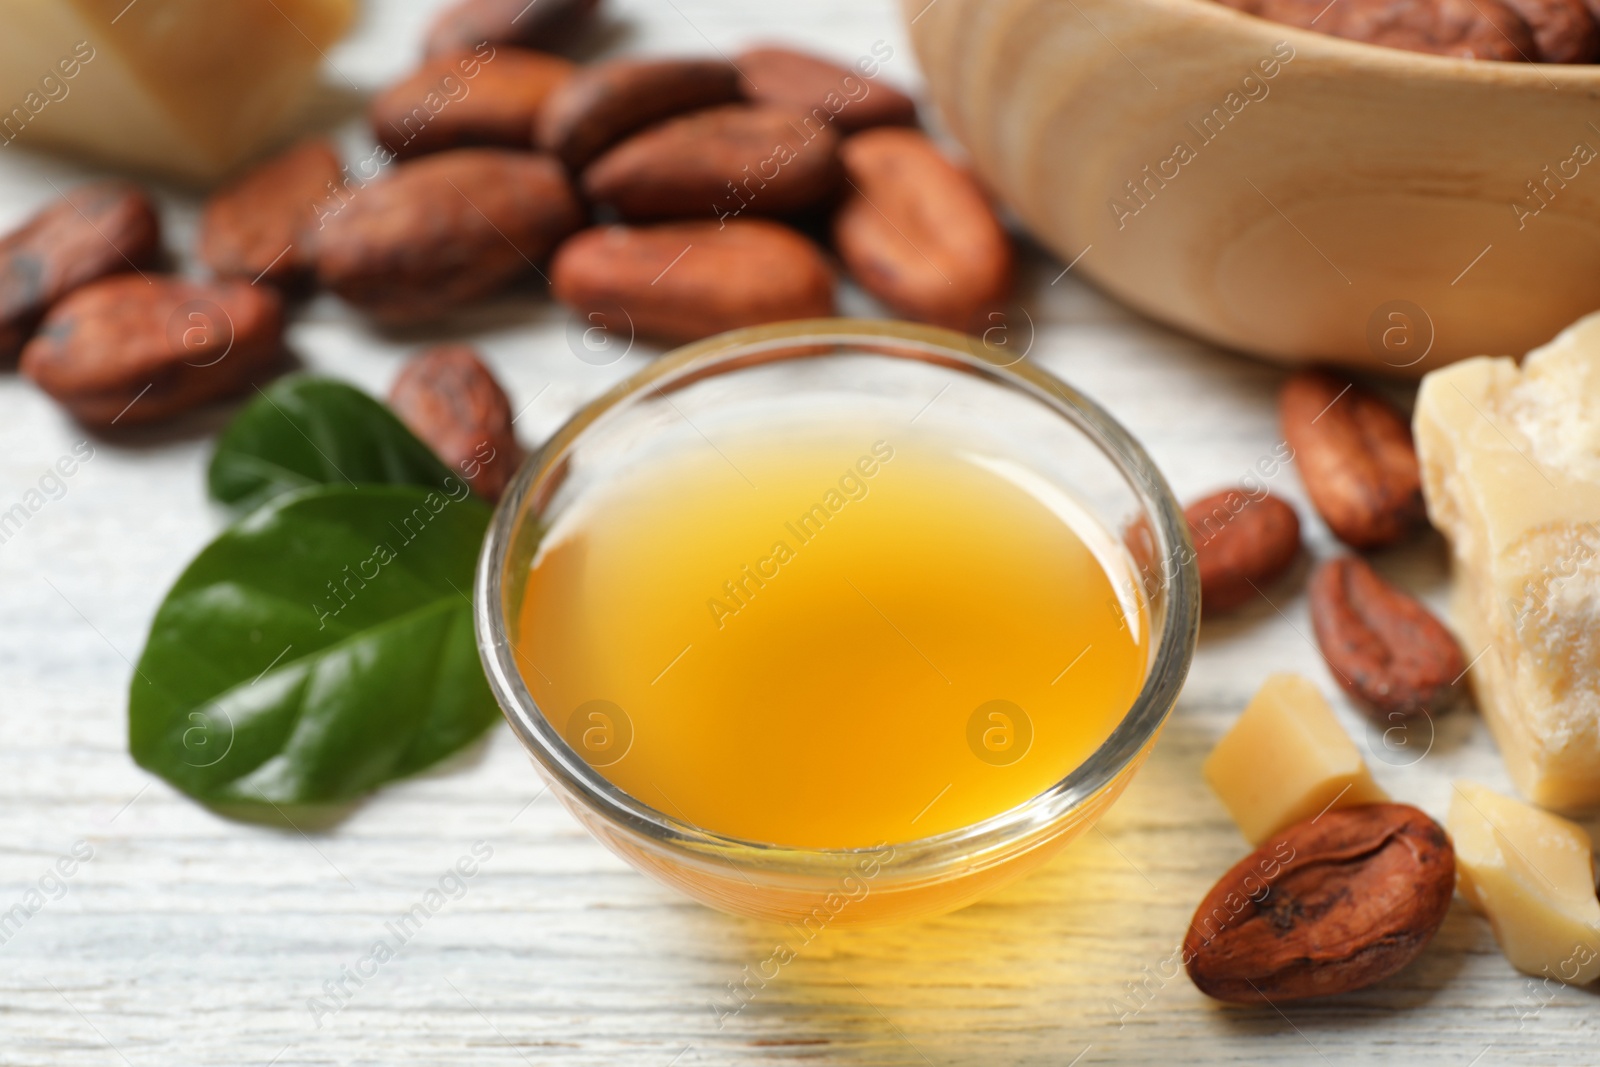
1081	959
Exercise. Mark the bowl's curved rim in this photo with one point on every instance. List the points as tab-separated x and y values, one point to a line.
929	856
1376	57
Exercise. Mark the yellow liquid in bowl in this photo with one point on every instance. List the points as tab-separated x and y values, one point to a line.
833	643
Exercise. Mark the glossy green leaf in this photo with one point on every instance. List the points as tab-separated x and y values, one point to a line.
303	431
319	647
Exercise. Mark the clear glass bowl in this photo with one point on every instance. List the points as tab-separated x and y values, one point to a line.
963	387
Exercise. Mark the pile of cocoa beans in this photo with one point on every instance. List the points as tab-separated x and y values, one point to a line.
1355	456
663	198
1344	899
1517	31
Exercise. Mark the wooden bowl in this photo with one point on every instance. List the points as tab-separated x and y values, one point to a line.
1300	197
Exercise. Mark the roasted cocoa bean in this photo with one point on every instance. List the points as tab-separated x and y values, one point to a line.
603	103
1356	457
1385	648
686	280
1469	29
723	162
453	403
263	228
1241	542
918	233
545	25
823	91
1564	31
94	230
133	349
460	99
1329	905
445	230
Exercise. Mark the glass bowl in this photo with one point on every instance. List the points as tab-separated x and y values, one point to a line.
955	385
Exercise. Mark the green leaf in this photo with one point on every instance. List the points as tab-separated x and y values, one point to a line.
303	431
319	647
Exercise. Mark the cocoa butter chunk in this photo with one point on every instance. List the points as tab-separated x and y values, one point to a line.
457	99
723	161
607	101
1511	466
1467	29
1330	905
1286	759
1356	457
445	230
135	349
263	227
542	24
687	280
1531	874
449	399
92	231
918	233
850	98
1242	541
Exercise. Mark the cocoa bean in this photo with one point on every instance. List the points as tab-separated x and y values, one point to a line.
686	280
603	103
1469	29
453	403
445	230
264	226
918	233
546	25
823	91
1356	457
1241	542
1327	906
460	99
1564	31
130	349
723	161
92	231
1385	648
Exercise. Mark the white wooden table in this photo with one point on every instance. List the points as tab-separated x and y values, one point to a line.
191	939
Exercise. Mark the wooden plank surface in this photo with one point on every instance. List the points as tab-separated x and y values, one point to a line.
190	939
